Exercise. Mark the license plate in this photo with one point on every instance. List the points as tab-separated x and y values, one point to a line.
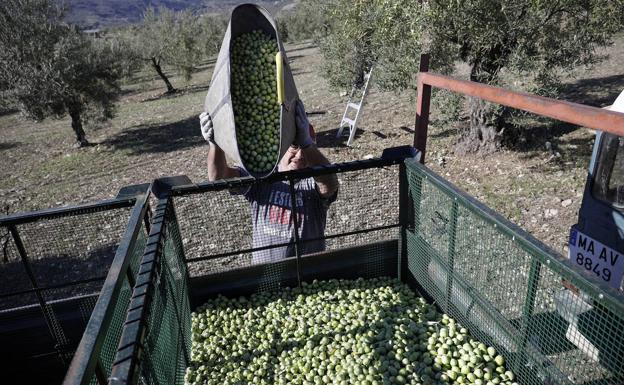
589	254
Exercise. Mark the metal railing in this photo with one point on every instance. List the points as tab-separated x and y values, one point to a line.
574	113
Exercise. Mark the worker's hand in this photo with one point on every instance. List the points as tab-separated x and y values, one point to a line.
207	130
293	159
302	137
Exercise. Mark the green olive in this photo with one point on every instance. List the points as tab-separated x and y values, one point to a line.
374	331
254	99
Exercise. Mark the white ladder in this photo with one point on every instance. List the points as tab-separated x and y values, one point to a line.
352	123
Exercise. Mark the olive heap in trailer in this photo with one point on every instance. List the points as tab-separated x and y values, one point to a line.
369	332
254	100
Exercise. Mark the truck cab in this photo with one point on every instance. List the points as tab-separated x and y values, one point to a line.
596	247
597	241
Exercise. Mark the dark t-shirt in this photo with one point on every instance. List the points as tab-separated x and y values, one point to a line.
272	222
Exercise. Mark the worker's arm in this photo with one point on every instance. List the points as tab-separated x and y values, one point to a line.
217	164
327	185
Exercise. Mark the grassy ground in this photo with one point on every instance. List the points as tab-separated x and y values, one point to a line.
153	136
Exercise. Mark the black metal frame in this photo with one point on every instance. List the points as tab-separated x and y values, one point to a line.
342	263
86	358
85	364
51	287
12	221
59	212
390	157
70	308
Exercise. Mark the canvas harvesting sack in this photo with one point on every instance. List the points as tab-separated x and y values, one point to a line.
244	19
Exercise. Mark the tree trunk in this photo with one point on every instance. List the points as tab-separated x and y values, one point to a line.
483	135
156	65
77	127
485	131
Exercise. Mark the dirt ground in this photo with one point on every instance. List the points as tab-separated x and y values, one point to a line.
539	187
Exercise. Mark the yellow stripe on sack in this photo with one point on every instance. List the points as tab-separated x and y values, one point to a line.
279	66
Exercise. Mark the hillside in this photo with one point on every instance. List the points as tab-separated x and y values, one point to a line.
102	13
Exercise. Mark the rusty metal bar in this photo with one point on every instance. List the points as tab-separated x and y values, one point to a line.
422	110
579	114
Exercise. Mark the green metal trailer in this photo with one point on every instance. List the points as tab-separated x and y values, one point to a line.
394	217
488	274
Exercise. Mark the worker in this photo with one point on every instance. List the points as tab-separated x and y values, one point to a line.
271	203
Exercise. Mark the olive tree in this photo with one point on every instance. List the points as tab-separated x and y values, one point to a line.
117	38
357	35
299	22
49	68
533	41
212	30
167	37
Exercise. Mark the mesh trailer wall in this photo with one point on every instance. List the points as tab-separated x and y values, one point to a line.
217	213
94	356
507	288
54	263
216	219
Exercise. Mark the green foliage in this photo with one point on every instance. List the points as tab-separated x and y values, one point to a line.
212	30
302	22
448	107
179	40
167	37
533	37
282	28
531	43
156	35
357	35
186	42
50	68
118	39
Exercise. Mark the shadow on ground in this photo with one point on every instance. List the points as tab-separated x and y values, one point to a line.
328	139
158	138
87	272
302	48
9	145
301	72
179	92
533	135
598	92
8	111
